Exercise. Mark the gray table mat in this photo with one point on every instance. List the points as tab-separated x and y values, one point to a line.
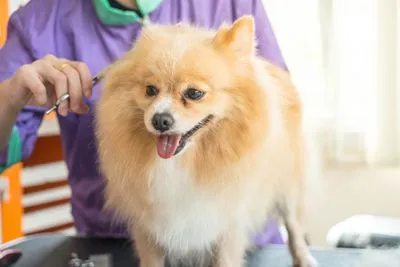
55	250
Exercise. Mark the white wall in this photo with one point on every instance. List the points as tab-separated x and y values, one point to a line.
15	4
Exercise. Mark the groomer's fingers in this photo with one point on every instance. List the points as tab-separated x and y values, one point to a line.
76	103
27	79
85	77
50	78
47	69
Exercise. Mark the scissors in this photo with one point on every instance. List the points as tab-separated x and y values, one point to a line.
66	96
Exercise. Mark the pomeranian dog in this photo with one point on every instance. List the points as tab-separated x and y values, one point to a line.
200	140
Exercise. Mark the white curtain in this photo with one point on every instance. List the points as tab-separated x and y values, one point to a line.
344	56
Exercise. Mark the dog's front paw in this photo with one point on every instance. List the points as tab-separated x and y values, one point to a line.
306	260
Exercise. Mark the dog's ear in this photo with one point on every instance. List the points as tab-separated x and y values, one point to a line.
239	37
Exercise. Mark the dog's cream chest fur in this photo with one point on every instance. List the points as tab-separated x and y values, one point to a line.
184	216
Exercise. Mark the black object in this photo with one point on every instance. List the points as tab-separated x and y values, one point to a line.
9	256
374	241
56	250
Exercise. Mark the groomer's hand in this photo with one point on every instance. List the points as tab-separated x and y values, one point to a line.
47	79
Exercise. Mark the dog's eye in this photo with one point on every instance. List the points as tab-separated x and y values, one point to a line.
193	94
151	90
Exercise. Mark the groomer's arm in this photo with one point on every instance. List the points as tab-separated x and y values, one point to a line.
18	126
8	114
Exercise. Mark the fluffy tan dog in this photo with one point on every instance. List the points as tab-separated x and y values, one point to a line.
200	140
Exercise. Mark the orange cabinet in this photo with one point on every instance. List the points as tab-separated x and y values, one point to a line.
12	205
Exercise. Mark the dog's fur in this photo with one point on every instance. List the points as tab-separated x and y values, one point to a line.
248	161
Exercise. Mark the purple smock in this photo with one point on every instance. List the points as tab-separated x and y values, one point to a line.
71	29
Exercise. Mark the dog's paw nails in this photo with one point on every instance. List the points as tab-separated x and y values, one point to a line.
312	262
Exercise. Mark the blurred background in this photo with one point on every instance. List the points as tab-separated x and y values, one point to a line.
344	58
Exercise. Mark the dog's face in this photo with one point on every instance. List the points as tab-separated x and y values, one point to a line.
180	79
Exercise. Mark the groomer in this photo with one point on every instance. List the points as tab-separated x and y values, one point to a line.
55	46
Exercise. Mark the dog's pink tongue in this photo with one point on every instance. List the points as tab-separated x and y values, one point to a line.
167	145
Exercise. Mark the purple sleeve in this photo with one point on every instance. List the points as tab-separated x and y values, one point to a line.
268	46
16	52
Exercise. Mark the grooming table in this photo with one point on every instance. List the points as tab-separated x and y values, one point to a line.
55	250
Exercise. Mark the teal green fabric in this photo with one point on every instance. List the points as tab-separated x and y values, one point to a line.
147	6
14	154
116	17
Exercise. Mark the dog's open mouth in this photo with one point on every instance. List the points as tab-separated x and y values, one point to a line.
170	145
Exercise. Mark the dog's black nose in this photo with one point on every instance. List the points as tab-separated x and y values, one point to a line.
162	121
